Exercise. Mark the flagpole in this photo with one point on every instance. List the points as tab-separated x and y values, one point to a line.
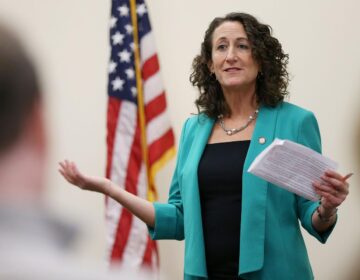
151	192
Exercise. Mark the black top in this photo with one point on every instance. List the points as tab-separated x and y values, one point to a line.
220	185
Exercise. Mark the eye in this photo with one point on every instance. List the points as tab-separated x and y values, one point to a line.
221	47
244	46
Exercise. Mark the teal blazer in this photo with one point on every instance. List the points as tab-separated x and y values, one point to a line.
271	244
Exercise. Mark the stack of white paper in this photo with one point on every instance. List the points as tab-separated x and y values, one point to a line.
292	166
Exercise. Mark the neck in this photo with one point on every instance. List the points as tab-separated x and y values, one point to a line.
242	102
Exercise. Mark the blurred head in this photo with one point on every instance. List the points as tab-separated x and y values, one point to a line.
239	51
22	137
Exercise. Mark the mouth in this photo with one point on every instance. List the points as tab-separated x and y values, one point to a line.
232	69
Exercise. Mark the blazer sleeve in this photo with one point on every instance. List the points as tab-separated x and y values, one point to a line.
169	220
309	135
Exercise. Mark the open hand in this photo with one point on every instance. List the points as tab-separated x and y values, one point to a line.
71	173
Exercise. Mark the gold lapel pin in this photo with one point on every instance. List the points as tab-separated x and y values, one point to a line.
262	140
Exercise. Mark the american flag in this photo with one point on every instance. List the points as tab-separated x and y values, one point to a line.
139	135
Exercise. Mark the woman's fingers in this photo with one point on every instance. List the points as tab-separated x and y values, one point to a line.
334	174
70	172
334	184
338	185
338	176
74	170
325	188
65	175
330	201
65	166
333	188
62	173
63	169
62	165
331	197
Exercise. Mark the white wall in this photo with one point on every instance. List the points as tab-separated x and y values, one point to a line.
69	41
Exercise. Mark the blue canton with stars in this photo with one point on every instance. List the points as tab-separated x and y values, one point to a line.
121	69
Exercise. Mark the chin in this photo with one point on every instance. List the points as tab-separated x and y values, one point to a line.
237	84
233	84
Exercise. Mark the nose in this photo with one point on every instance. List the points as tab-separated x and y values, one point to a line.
231	55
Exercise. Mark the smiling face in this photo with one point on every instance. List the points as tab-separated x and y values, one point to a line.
232	60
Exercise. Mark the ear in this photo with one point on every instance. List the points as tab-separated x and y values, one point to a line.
35	129
259	67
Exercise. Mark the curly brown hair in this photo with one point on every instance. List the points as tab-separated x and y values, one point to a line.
271	83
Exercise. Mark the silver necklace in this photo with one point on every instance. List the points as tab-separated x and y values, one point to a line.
233	131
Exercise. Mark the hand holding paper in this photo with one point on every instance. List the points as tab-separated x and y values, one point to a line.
292	166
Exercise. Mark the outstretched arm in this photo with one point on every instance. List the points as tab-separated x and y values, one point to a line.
140	207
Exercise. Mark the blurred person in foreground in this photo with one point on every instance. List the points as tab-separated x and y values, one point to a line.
33	243
236	225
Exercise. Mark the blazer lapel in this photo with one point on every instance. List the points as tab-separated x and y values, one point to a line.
254	196
195	261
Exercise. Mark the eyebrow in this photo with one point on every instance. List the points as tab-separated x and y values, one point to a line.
237	39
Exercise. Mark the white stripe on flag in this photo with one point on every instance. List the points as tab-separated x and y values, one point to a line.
157	127
147	47
124	137
153	87
137	241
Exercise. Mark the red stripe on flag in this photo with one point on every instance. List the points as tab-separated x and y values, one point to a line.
134	164
155	107
157	148
150	67
131	181
122	235
113	111
151	248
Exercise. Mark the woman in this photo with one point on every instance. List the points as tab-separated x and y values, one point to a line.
235	225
